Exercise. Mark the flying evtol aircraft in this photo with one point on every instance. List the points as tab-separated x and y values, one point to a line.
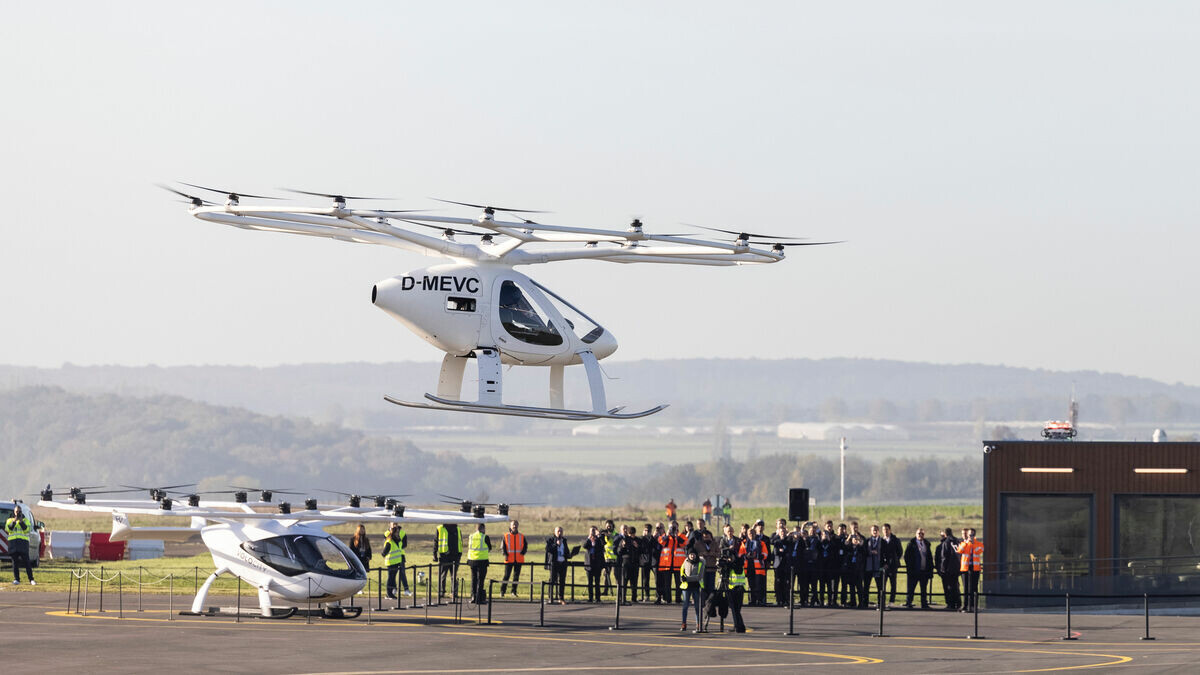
478	306
286	555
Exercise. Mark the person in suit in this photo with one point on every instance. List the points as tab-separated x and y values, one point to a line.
648	559
919	567
854	564
892	551
874	562
593	562
946	562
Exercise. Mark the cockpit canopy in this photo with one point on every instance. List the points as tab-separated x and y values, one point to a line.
524	319
294	554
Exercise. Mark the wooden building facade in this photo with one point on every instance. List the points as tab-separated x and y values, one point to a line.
1091	517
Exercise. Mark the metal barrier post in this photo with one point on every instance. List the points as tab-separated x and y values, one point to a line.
171	599
413	604
379	587
87	584
308	613
491	582
975	610
617	619
791	609
101	577
881	606
572	584
139	588
1146	607
542	607
120	595
238	617
70	587
1068	636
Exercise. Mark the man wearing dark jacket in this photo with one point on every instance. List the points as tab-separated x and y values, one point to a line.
593	562
892	551
946	562
628	548
781	561
558	552
918	566
647	559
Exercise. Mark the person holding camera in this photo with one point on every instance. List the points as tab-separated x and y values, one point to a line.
593	562
691	580
670	558
17	529
781	561
628	546
730	590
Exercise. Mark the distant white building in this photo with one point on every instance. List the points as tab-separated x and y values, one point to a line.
832	431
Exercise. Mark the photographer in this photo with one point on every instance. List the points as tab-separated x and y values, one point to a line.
729	591
17	529
628	547
781	560
593	562
558	553
691	580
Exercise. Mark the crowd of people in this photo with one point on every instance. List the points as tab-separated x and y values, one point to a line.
703	570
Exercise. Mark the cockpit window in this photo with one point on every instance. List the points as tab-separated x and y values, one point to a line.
300	553
587	330
522	320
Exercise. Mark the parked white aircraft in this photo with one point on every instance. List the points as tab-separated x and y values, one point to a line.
286	555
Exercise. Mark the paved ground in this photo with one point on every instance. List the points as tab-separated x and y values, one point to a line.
576	638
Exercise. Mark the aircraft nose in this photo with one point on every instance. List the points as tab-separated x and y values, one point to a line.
604	345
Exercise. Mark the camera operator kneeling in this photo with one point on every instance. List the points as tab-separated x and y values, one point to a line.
729	592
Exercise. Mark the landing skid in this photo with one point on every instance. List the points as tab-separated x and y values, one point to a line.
491	402
439	403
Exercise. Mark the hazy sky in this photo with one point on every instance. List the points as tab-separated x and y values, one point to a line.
1017	182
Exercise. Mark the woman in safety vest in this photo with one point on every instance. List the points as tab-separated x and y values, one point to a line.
479	545
692	582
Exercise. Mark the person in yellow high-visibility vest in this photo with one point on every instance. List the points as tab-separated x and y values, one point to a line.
479	545
393	557
17	530
447	552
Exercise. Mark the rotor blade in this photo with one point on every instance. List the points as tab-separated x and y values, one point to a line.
332	196
796	243
191	199
485	206
743	234
227	192
444	229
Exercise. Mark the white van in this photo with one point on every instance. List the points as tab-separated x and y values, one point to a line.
35	534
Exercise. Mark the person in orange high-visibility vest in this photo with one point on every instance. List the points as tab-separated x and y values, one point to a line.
671	553
754	551
514	547
706	510
971	566
671	510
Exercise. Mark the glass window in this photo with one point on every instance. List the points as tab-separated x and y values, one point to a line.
587	330
1158	535
460	304
522	320
296	554
1046	538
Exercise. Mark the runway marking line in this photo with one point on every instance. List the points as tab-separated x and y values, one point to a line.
683	642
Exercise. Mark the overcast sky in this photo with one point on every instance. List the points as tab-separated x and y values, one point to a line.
1016	182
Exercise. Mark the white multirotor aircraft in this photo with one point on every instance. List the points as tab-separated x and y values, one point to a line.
286	555
477	306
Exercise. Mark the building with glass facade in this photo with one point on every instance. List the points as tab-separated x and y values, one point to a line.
1091	519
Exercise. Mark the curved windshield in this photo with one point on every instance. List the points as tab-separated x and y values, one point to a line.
585	328
299	553
522	320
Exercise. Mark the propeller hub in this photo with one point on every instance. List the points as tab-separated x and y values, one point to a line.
166	504
193	500
285	508
355	501
310	504
398	510
477	511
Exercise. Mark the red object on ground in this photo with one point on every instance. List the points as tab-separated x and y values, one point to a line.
100	548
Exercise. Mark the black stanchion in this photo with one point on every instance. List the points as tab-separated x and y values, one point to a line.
379	589
139	588
791	610
975	610
542	607
101	577
120	596
881	607
171	599
617	619
237	618
1068	636
308	609
1146	607
491	583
